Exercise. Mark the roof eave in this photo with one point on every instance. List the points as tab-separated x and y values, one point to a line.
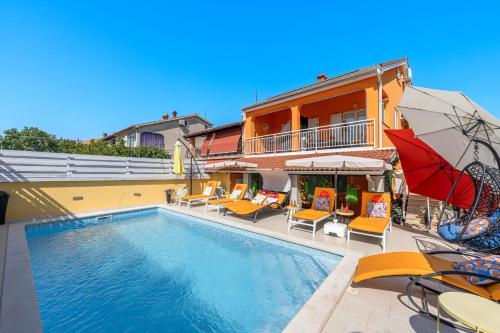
354	76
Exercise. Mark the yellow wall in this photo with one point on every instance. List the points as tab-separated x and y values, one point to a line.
37	199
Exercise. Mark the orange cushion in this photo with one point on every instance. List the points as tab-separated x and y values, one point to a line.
378	198
324	194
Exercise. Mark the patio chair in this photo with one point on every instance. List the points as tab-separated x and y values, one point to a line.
238	193
318	212
208	193
372	222
429	272
253	208
477	228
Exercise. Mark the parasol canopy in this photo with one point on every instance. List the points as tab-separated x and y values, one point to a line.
451	123
429	174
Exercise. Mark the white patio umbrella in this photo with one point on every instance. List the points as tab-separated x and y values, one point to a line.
341	163
452	124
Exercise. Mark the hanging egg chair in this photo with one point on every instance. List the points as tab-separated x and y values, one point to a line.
477	228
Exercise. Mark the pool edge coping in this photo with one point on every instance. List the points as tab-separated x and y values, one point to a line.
312	317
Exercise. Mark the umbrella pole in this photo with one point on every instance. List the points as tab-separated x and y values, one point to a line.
191	177
336	197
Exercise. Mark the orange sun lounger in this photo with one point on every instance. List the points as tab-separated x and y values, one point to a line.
219	203
248	208
200	198
371	226
420	265
312	216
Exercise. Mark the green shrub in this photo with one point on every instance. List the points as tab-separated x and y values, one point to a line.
35	139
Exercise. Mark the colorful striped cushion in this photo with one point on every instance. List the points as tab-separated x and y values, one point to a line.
322	203
377	209
489	266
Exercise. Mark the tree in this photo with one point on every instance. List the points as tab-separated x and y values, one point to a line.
29	138
35	139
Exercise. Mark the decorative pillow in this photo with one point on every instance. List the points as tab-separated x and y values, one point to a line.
477	226
489	266
495	215
377	198
270	199
324	194
259	199
208	190
322	203
236	194
237	187
181	192
264	192
377	209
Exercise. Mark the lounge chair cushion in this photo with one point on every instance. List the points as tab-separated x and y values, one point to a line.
243	207
259	199
310	214
369	224
449	232
235	194
322	203
418	264
476	227
489	266
220	201
194	197
207	191
270	200
377	209
182	191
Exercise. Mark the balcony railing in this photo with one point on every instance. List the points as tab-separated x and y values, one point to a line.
344	135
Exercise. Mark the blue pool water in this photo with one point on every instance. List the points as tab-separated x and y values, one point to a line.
157	271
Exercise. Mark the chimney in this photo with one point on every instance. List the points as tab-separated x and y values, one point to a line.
165	116
174	114
104	135
321	77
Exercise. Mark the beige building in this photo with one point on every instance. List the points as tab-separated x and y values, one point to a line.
161	133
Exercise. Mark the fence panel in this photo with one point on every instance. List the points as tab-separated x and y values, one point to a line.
23	166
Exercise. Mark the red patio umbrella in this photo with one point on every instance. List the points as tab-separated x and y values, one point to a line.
429	174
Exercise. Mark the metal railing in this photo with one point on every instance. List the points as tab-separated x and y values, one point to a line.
344	135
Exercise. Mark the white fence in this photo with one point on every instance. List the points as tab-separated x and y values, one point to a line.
24	166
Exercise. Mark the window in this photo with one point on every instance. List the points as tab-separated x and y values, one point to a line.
151	139
130	140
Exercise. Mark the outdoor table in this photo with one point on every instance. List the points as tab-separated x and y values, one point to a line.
473	311
344	214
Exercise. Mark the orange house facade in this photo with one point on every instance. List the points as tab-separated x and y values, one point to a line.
344	113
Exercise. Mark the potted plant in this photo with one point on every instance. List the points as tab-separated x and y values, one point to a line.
351	197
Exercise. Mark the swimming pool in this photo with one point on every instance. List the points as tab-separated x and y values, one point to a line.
158	270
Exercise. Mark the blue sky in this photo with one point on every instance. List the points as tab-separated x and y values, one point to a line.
81	68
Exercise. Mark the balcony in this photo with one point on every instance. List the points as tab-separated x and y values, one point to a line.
344	135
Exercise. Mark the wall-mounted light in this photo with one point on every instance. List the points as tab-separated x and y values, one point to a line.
385	100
